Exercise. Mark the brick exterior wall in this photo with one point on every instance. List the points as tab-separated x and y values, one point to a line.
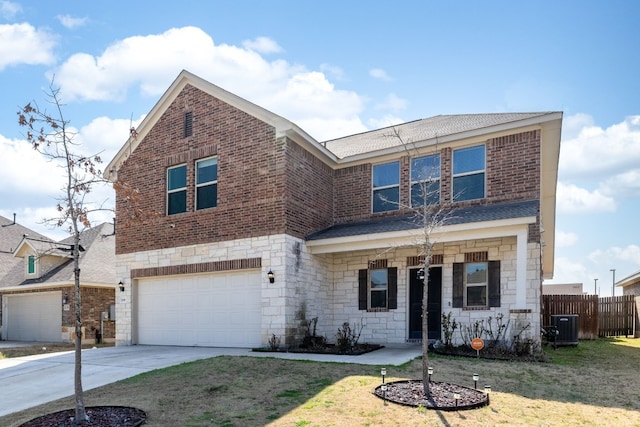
512	173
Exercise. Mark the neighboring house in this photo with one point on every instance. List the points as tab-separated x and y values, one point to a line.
630	285
233	192
562	289
37	292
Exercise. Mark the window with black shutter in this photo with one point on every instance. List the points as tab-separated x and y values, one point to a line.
378	289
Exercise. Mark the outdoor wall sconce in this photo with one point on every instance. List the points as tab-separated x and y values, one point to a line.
476	377
421	274
121	285
271	276
430	372
65	299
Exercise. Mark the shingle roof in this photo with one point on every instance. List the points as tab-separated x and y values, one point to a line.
453	216
11	234
421	130
97	261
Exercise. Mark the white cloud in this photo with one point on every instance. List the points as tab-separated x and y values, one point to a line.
594	152
70	22
336	72
567	271
572	199
385	121
151	62
629	253
626	184
8	10
24	44
380	74
565	240
392	102
262	45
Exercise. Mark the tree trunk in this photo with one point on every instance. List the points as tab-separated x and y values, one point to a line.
425	329
81	414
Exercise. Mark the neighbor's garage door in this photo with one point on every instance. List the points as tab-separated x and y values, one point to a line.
34	317
217	310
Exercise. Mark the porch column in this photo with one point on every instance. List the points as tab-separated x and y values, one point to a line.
521	268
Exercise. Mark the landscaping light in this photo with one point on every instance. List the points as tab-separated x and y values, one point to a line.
476	377
121	285
384	393
383	372
487	391
456	396
421	274
271	276
430	372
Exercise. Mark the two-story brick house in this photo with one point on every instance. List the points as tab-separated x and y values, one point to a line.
233	193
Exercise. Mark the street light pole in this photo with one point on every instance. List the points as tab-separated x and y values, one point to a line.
595	286
613	285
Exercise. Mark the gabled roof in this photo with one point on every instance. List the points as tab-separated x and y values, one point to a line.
433	130
11	234
464	215
97	262
282	126
629	280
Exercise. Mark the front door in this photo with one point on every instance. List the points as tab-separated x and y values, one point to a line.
434	304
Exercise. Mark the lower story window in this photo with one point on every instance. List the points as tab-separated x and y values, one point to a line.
476	284
378	289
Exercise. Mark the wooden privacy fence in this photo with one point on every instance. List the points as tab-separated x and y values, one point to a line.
597	317
585	306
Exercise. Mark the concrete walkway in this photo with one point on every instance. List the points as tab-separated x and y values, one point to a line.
33	380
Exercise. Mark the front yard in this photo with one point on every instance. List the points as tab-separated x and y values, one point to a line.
593	384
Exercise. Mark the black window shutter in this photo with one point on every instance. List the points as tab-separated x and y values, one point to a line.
363	277
458	284
494	283
392	283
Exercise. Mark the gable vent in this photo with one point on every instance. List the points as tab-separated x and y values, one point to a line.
188	124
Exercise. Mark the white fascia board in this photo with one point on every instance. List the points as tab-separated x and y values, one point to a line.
409	238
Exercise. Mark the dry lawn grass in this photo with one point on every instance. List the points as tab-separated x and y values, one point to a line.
594	384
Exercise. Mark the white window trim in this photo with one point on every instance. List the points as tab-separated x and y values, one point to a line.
425	180
384	187
168	192
204	184
370	289
467	285
474	172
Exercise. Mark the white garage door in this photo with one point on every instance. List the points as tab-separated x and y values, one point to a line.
216	310
34	317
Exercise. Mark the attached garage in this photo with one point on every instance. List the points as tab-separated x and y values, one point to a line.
33	317
212	310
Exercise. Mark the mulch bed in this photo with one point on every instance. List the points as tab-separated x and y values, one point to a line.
411	393
98	416
493	353
326	349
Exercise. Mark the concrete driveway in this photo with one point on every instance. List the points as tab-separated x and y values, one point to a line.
32	380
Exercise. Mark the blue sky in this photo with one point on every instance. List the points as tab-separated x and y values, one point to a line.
337	68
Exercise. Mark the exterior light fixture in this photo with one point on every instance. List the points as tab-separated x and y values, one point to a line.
271	276
487	391
430	372
383	372
456	396
384	393
476	377
121	285
421	274
65	299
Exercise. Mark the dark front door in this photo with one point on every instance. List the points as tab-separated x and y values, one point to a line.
434	304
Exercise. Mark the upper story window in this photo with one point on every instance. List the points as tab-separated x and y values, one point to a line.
177	189
188	124
468	173
386	187
207	183
31	264
425	180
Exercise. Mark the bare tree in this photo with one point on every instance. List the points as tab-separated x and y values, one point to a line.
429	213
52	137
